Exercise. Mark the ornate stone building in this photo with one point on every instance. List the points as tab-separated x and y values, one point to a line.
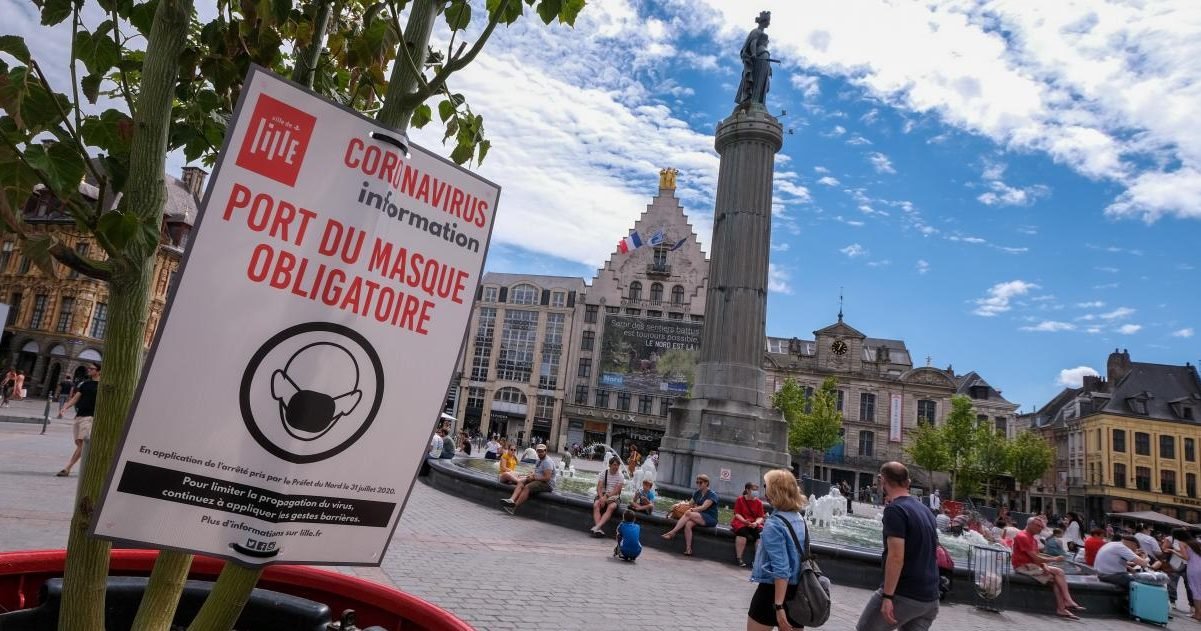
512	371
56	324
880	393
637	331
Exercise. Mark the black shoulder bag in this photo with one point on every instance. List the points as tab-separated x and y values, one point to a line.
810	604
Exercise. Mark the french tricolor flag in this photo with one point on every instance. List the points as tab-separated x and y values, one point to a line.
631	242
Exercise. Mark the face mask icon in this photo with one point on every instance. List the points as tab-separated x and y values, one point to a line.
318	386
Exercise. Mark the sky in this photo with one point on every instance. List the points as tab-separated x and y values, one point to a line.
1009	187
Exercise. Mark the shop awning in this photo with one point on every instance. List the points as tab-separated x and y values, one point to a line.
1153	517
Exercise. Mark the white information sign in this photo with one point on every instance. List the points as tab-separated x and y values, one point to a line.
296	378
894	418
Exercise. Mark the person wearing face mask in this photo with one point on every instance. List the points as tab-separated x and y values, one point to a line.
747	522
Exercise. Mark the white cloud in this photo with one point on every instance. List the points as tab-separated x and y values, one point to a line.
829	181
1108	269
880	162
1050	326
1096	304
777	279
853	250
821	169
1074	377
1002	194
1130	329
850	222
881	263
922	266
1185	332
998	296
837	131
858	141
808	85
1116	314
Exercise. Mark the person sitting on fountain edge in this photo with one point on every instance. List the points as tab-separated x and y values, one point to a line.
608	496
506	469
702	513
540	481
1027	560
629	538
644	498
747	521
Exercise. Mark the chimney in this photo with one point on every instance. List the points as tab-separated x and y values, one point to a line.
193	180
1118	366
1093	383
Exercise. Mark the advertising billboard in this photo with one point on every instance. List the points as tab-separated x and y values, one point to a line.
649	356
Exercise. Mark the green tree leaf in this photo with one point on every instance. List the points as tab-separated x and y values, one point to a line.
15	46
571	9
458	15
446	109
61	165
462	153
482	150
37	249
509	10
55	11
141	16
549	10
97	50
90	85
121	228
111	131
422	115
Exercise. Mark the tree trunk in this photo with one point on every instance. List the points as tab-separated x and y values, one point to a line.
405	78
306	64
157	609
86	569
230	593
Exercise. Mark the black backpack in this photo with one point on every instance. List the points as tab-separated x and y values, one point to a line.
810	604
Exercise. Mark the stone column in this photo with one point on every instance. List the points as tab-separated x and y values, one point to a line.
727	429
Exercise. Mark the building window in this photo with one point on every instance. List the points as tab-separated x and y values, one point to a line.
623	401
590	314
558	299
672	315
545	407
6	254
481	358
654	313
656	293
981	419
99	320
39	311
677	295
1167	447
634	312
1119	475
552	348
1142	444
524	295
515	361
475	398
510	395
14	309
612	309
659	258
1190	450
602	398
1190	484
23	266
635	291
81	250
585	369
489	294
1002	425
581	395
1142	478
925	411
587	339
644	404
841	399
664	406
66	313
867	407
1119	440
867	443
1167	482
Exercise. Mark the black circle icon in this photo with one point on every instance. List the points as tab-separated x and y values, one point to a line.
311	391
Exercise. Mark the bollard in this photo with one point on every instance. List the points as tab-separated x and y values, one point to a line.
46	416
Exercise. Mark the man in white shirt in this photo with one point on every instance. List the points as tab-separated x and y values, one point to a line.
935	501
436	446
1115	558
608	495
1147	541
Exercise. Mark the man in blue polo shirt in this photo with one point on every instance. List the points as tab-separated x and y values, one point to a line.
908	600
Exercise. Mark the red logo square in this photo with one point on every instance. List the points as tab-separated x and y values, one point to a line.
276	140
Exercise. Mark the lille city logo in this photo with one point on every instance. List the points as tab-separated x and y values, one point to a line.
276	140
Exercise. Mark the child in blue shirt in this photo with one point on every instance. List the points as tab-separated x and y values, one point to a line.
629	542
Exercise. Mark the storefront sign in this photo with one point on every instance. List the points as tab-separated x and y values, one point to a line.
616	415
894	418
313	332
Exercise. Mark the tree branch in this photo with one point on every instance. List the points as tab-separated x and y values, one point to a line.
121	71
86	266
455	64
72	132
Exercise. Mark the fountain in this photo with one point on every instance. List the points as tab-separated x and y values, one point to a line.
647	471
822	511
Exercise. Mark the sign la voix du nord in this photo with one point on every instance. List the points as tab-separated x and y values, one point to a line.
289	398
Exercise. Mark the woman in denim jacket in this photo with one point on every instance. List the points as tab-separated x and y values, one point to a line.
777	559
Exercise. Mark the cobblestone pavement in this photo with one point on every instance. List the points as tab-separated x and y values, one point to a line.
493	570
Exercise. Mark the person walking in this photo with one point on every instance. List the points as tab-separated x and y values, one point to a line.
84	401
908	599
1192	571
777	567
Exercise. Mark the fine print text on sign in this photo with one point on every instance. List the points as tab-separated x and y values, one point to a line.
289	398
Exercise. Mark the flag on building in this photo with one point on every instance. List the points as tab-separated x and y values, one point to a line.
632	242
658	238
678	244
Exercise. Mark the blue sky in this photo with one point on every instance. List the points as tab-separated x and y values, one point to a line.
1010	188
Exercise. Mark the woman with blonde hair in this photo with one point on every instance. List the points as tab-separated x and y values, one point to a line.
777	567
506	470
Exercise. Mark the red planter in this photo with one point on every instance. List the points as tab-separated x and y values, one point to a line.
23	573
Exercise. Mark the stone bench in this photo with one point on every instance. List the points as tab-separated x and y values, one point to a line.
850	566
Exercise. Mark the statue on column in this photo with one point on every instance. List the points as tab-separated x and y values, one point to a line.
756	66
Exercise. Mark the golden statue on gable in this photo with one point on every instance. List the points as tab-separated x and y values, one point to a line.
667	178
